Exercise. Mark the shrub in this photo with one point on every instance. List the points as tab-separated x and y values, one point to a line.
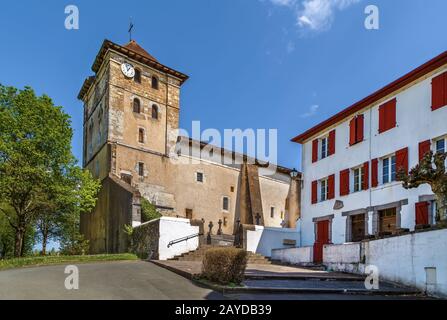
148	211
224	265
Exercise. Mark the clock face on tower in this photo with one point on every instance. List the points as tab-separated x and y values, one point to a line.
128	70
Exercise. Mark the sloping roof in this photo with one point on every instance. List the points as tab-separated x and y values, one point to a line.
134	51
135	47
417	73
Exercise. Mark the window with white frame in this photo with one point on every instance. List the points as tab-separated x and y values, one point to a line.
324	147
358	176
440	145
389	169
323	190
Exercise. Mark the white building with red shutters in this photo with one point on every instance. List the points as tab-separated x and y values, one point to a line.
349	162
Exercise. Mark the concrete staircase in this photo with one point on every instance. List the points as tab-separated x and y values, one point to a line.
199	254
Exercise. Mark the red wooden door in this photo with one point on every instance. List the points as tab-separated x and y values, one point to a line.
422	213
322	238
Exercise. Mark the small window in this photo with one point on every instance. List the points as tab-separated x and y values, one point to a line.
136	105
440	146
141	169
199	176
358	179
232	189
226	204
272	212
127	178
141	135
154	111
324	148
137	76
389	169
154	82
323	190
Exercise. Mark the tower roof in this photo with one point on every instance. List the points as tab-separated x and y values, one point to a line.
135	47
133	51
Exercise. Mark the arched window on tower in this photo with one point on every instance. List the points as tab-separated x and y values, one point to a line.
137	76
154	111
136	105
154	82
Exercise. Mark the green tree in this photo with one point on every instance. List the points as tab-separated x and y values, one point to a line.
6	237
39	179
148	211
432	171
81	200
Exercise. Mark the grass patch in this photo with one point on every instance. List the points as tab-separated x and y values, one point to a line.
52	260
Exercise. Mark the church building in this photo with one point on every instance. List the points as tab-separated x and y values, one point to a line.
131	121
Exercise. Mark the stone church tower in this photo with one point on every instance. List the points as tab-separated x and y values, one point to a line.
131	117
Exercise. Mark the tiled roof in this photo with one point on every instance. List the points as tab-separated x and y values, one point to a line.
135	47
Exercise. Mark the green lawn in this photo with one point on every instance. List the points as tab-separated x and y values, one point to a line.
49	260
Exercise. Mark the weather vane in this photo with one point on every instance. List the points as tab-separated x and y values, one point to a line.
130	29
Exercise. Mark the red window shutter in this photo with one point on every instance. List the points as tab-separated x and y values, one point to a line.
422	213
439	91
331	187
314	192
332	142
374	173
315	151
402	160
359	128
391	114
387	116
382	118
424	148
344	182
352	132
366	176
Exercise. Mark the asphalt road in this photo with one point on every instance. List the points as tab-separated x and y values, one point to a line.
124	280
129	280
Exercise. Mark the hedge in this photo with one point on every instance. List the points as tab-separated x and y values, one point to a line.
224	265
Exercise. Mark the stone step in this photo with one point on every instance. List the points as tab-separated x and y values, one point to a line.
199	254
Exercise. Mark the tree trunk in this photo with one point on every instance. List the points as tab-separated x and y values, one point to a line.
441	212
18	242
44	242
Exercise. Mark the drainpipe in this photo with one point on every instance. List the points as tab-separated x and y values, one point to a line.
370	166
166	116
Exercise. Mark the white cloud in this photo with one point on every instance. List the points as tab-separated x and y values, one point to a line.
315	15
286	3
318	15
311	112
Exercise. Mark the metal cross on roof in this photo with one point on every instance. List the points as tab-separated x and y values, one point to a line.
130	29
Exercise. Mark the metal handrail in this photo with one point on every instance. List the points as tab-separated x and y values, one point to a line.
171	243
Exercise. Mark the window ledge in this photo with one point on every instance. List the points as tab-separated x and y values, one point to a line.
388	185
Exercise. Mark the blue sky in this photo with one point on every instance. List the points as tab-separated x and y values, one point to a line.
280	64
